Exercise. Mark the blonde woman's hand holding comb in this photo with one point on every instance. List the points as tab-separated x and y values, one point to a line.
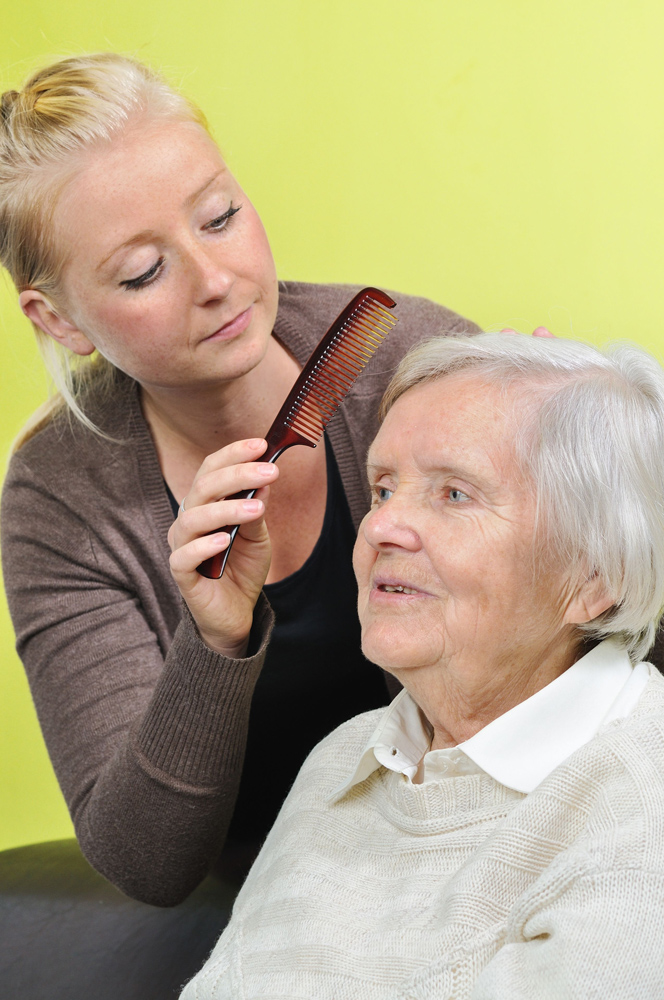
223	609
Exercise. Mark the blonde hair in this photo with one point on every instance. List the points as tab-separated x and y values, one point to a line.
61	111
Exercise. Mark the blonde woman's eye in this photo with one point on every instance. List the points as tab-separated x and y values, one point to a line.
222	221
146	278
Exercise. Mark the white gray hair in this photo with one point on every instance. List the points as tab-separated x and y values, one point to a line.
595	451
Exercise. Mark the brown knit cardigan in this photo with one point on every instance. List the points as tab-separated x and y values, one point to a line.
145	725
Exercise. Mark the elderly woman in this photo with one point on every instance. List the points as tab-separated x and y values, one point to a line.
498	831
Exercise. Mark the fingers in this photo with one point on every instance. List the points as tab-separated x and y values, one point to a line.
223	610
247	450
213	484
542	331
217	516
186	559
203	539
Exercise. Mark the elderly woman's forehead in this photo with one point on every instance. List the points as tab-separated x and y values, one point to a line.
489	398
466	390
463	401
429	453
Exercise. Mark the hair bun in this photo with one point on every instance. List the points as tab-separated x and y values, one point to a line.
7	102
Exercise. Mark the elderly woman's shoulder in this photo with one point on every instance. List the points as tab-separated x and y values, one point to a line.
604	805
351	735
332	761
644	726
624	763
307	310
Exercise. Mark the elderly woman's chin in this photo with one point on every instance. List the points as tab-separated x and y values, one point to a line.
393	652
398	641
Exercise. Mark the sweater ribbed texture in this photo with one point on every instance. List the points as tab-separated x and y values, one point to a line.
458	888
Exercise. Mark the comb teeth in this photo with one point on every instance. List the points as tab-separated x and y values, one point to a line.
327	376
354	344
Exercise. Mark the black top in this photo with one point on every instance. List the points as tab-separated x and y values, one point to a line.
315	676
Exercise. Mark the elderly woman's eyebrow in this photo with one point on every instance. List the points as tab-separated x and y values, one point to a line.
378	468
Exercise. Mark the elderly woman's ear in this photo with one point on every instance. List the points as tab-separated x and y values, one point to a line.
590	600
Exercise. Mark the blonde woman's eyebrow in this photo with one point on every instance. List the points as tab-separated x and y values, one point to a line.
193	198
137	240
148	234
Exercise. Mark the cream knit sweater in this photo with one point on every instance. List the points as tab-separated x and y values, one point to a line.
458	888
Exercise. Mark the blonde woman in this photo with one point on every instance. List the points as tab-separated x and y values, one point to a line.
149	281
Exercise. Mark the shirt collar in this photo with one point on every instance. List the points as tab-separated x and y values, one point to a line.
522	747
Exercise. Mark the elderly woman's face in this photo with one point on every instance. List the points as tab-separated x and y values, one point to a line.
446	559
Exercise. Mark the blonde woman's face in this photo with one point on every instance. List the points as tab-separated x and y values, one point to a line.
168	269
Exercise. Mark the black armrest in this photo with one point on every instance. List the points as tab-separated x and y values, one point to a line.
67	934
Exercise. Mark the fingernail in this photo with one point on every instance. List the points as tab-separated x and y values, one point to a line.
265	469
252	506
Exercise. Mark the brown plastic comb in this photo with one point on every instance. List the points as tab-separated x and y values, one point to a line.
327	376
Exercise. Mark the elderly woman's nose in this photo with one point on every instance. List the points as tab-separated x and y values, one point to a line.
392	523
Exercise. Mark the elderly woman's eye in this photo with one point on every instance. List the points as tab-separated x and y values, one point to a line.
381	494
458	496
221	222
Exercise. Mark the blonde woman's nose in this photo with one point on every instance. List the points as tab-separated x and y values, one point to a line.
213	278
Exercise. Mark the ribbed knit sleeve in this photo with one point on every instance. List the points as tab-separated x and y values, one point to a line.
147	736
157	816
202	695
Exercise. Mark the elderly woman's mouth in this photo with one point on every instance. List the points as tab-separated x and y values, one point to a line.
398	588
386	588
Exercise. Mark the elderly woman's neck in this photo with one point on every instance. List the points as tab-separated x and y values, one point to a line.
459	700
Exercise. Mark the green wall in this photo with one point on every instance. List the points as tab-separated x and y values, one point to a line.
503	158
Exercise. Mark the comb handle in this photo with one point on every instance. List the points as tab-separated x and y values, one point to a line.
279	438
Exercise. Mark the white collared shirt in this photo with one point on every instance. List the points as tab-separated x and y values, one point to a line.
522	747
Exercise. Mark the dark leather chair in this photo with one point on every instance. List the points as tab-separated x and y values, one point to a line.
67	934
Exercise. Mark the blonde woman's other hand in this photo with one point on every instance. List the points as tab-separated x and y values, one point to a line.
540	331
